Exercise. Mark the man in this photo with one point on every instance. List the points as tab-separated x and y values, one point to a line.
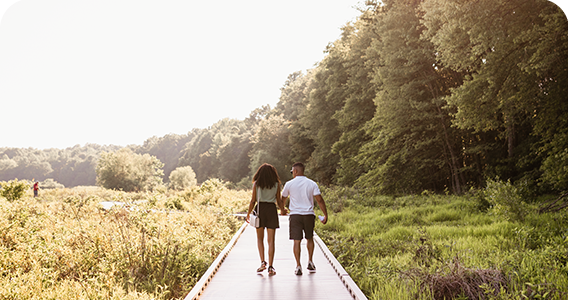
36	189
302	192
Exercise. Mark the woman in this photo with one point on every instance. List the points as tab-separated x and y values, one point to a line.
266	190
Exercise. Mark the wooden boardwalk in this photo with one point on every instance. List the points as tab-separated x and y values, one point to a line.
233	274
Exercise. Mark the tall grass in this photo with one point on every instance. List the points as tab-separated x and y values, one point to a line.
446	247
64	245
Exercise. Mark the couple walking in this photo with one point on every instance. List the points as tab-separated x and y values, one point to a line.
268	193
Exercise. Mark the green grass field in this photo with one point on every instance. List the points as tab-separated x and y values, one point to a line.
446	247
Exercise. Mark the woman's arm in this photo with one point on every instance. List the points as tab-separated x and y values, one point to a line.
252	202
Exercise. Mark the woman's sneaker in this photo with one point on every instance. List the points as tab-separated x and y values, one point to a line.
298	270
311	266
271	271
262	267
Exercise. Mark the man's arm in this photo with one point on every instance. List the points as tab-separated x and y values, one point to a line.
321	204
281	201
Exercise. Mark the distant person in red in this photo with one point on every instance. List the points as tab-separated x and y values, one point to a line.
36	189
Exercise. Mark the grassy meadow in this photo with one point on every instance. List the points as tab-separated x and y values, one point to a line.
487	244
65	245
447	247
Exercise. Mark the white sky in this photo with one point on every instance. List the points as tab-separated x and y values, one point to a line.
121	71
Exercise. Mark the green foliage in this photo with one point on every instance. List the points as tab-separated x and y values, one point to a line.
291	105
182	178
412	146
506	200
327	93
127	171
221	151
415	95
359	107
270	145
555	169
71	166
167	149
13	190
444	247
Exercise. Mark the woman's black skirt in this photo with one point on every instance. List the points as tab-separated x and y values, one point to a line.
268	215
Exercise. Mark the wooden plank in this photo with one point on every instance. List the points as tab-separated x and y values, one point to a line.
234	276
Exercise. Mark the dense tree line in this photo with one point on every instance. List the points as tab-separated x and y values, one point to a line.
72	166
415	95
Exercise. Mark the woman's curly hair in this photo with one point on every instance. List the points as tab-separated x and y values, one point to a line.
266	177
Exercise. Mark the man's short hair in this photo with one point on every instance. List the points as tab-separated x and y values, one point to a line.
299	166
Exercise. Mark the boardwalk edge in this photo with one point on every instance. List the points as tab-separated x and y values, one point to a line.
349	283
200	286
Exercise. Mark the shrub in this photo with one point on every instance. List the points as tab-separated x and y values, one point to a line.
182	178
49	183
555	169
506	200
13	189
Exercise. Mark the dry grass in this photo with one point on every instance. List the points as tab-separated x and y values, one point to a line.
64	245
454	281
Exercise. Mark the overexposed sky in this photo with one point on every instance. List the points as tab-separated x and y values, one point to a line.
121	71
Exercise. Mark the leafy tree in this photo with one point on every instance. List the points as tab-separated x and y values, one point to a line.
326	96
359	107
234	157
547	41
291	105
71	166
270	145
212	151
182	178
514	56
198	146
128	171
412	147
6	163
293	98
167	149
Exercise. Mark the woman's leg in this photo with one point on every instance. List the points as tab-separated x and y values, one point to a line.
260	242
270	236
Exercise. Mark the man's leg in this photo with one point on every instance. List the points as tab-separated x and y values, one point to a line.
297	251
310	246
310	224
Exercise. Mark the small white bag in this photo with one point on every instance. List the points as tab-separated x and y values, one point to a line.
254	219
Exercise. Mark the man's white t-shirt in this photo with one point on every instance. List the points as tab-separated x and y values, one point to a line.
301	190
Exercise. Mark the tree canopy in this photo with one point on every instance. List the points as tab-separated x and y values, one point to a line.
415	95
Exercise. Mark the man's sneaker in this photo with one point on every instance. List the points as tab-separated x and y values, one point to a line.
271	271
298	270
311	266
262	267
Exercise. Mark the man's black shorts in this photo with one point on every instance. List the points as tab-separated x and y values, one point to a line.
300	224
